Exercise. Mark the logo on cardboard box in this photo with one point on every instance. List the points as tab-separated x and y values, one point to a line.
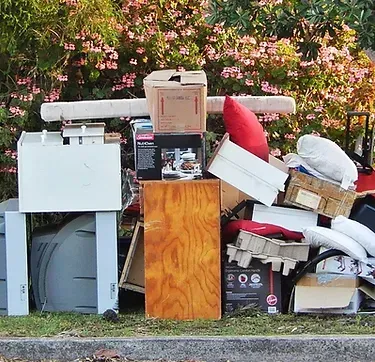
145	137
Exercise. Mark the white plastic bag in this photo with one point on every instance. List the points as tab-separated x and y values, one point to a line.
327	158
360	233
318	236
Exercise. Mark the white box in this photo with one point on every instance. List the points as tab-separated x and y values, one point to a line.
246	172
53	177
345	265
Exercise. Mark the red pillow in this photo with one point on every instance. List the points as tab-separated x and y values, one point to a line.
244	128
233	227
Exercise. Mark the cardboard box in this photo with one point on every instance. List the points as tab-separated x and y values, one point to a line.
322	197
328	294
347	266
161	156
255	286
177	100
246	172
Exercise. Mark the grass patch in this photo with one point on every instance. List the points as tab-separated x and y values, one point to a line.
134	324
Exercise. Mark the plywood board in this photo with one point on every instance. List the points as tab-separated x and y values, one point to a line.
182	249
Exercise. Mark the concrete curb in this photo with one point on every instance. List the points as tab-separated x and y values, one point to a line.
210	349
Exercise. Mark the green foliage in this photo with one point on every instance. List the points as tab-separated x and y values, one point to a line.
65	50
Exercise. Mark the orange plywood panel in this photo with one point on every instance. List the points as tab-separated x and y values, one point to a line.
182	249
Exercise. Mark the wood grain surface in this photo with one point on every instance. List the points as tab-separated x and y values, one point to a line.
182	249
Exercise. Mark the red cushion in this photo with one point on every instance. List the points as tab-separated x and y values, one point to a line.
244	128
233	227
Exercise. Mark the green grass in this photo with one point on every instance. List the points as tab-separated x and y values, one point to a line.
134	324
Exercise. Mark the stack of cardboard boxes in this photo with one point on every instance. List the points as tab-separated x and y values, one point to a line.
172	145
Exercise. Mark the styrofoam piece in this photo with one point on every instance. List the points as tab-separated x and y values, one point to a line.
248	173
272	247
53	177
14	295
286	217
112	108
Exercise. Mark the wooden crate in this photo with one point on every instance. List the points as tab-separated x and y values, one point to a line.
133	274
182	249
322	197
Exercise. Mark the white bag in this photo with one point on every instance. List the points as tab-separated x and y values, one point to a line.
318	236
327	158
360	233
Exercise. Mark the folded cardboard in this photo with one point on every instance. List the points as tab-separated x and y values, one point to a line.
322	197
177	100
255	286
245	257
328	294
272	247
248	173
347	266
161	155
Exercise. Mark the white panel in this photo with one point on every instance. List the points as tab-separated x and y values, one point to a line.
16	276
100	109
56	178
106	256
288	218
245	182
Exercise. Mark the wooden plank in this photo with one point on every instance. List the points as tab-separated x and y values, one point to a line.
182	249
133	271
112	108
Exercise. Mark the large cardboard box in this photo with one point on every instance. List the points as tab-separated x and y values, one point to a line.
328	294
247	172
347	266
255	286
177	100
322	197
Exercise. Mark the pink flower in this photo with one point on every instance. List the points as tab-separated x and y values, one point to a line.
140	50
133	61
184	51
310	116
249	82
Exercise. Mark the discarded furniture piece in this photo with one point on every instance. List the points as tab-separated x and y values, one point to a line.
76	171
182	249
133	274
14	293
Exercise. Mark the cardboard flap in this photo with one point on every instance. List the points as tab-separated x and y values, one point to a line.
323	291
160	75
193	77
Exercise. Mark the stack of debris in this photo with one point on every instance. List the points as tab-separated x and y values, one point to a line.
311	195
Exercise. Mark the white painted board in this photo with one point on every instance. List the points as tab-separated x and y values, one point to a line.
14	294
248	173
112	108
288	218
55	178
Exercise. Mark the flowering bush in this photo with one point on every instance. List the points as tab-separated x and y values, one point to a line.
85	49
